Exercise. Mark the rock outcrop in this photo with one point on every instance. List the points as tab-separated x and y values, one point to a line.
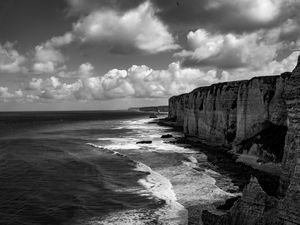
260	118
240	114
224	112
289	207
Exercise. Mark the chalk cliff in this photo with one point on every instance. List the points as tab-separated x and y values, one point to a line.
258	118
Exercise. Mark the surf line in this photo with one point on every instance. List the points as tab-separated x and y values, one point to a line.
160	187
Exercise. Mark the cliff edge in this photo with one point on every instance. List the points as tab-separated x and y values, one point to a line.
259	120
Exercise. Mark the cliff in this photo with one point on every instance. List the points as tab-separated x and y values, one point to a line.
259	120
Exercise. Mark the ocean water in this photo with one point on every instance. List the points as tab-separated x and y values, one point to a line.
86	168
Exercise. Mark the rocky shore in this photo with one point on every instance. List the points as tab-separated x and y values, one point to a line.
256	121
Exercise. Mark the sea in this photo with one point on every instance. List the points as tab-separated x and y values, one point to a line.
85	167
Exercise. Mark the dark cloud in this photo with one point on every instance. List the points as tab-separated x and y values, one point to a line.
226	16
289	31
87	6
213	62
235	16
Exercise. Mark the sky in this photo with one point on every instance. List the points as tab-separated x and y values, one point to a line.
115	54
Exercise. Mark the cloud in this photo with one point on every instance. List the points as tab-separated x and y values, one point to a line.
235	16
60	41
128	26
228	51
15	96
144	82
87	6
131	31
136	29
47	59
223	16
4	94
47	84
86	70
137	81
218	14
273	67
289	30
10	60
48	56
240	56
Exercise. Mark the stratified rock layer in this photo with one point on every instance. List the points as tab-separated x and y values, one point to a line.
258	117
222	113
289	207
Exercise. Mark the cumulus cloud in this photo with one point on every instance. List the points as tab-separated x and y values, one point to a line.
87	6
41	84
60	41
86	70
226	40
289	31
137	29
137	81
15	96
144	82
226	15
48	56
10	59
273	67
241	56
236	16
228	51
134	30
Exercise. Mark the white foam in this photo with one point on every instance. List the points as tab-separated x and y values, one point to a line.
161	187
120	143
192	186
160	146
113	139
123	147
155	185
118	128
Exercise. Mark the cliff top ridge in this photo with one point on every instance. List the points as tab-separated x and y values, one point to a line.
296	71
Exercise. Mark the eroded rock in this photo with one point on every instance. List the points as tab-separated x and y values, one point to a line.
261	118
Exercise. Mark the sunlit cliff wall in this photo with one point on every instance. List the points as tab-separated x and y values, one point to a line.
259	117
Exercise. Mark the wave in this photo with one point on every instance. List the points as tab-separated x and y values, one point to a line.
161	188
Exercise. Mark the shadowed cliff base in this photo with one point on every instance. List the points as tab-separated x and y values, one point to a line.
268	144
224	162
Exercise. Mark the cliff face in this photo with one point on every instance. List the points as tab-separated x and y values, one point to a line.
242	114
261	118
232	111
289	207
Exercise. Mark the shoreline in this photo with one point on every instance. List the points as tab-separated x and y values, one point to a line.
272	169
195	182
160	187
267	175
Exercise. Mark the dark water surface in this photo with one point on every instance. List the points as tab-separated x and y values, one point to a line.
49	175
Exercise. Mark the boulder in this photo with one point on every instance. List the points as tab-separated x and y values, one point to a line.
167	136
144	142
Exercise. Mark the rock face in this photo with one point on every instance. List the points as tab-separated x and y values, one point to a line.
290	189
240	113
258	117
232	111
255	207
